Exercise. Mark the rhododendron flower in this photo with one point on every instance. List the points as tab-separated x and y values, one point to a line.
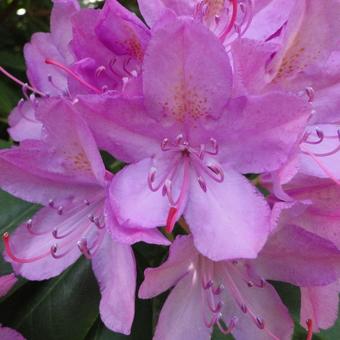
88	51
235	295
10	334
184	140
64	172
288	58
314	206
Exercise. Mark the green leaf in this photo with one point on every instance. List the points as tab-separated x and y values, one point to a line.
8	99
65	307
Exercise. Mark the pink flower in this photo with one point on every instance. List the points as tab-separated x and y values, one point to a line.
87	52
64	172
315	208
6	283
235	295
287	58
10	334
183	138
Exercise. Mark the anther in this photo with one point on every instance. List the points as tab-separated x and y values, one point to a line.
100	70
310	93
218	290
259	322
179	139
60	210
82	245
202	183
244	308
51	203
87	202
207	285
250	284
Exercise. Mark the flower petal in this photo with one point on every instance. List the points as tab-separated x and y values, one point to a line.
133	203
299	257
230	220
320	304
10	334
115	269
131	235
182	83
182	313
182	255
268	125
6	283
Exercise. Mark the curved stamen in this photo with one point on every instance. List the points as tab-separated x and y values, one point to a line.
100	70
212	321
231	326
29	226
322	167
6	240
73	74
232	21
326	154
319	134
22	84
56	256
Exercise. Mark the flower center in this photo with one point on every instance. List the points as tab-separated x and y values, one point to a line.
184	158
228	19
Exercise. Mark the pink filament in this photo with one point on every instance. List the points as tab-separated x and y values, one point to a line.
73	74
5	238
232	21
19	82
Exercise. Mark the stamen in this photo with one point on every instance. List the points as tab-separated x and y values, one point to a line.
54	254
171	219
29	225
100	70
310	93
309	323
322	167
260	323
231	22
231	326
218	290
207	285
22	84
6	239
73	74
82	245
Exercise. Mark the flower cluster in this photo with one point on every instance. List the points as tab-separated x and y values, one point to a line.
226	116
